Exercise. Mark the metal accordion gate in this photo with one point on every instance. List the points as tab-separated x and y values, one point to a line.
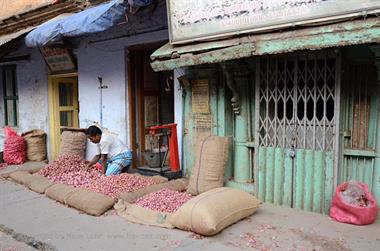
296	129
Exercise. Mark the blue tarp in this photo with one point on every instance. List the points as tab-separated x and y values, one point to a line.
96	19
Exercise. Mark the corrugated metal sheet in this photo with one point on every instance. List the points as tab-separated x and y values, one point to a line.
12	36
36	17
16	7
9	37
305	182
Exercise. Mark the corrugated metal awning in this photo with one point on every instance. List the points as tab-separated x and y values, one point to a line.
10	37
169	57
15	35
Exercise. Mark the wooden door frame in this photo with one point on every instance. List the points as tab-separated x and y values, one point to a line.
52	99
132	53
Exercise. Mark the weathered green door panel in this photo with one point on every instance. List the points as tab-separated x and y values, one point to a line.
360	117
358	168
311	184
214	119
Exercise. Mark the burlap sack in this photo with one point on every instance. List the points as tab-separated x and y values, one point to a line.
176	185
30	167
136	214
60	192
35	145
73	142
212	211
21	177
210	161
39	183
90	202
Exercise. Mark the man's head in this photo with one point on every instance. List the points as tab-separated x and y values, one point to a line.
94	134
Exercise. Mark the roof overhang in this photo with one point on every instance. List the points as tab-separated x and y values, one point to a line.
365	31
92	20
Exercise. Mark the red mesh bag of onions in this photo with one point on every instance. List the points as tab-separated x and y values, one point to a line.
14	147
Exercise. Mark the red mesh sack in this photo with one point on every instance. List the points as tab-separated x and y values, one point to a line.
353	204
14	147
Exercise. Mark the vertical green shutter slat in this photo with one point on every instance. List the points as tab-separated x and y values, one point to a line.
288	177
269	186
308	188
318	180
329	181
278	176
299	179
261	174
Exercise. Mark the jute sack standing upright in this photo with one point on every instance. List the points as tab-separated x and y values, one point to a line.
210	161
73	142
35	145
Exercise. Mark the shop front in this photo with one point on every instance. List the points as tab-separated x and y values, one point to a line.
301	104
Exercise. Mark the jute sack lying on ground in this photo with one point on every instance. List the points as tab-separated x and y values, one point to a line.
30	167
60	192
212	211
176	185
39	184
21	177
90	202
73	142
136	214
210	161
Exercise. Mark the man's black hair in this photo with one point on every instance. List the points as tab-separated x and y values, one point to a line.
93	131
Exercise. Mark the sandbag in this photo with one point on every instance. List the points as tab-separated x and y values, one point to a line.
90	202
136	214
39	184
212	211
60	192
210	162
73	142
21	177
14	147
176	185
35	145
353	204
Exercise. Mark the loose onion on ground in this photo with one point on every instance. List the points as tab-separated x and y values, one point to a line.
73	171
114	185
70	170
164	200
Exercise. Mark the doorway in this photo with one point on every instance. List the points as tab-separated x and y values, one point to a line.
297	106
151	100
63	107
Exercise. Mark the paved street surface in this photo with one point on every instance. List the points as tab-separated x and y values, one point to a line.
29	220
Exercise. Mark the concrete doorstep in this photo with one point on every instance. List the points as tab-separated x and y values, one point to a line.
31	221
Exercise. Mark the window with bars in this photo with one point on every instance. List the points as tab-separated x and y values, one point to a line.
10	95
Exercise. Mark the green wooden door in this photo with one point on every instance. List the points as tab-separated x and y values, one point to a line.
360	115
297	111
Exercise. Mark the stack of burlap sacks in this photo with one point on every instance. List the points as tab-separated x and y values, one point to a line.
214	208
82	199
73	142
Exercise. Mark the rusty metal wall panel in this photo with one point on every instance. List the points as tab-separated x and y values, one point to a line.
305	183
